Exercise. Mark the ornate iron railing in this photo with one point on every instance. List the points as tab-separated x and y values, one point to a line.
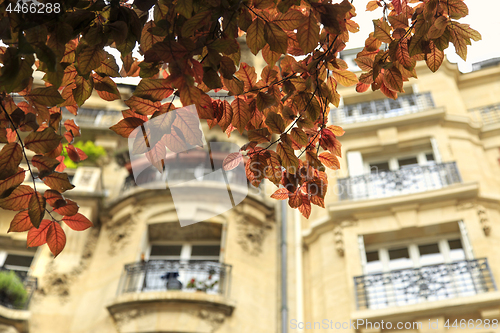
94	117
412	179
152	179
425	284
487	114
382	108
163	275
19	302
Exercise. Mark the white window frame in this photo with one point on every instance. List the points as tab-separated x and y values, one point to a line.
5	253
186	251
394	163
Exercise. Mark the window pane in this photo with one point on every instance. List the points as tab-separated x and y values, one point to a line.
407	161
430	255
166	250
399	259
373	263
457	252
379	167
18	260
429	157
205	250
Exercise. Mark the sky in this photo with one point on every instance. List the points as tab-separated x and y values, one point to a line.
483	16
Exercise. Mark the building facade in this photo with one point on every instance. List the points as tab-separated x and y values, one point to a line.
408	236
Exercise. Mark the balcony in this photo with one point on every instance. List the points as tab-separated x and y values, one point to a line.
94	118
407	180
383	108
486	115
174	275
425	284
22	298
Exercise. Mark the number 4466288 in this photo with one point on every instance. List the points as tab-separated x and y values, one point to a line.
34	8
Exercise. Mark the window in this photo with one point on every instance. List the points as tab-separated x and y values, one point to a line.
186	266
16	261
416	270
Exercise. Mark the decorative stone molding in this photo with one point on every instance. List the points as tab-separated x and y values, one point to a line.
214	318
482	213
58	284
119	230
251	232
338	232
339	240
483	219
123	317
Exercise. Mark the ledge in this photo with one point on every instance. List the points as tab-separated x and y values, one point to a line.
138	300
447	307
456	191
407	119
16	318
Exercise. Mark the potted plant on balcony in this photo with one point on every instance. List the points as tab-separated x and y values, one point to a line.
12	292
202	284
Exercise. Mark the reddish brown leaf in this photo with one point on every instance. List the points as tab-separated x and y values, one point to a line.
305	208
10	157
56	238
295	199
126	126
48	96
393	79
68	209
43	142
83	89
52	197
21	222
232	161
435	58
106	88
275	123
153	89
37	237
36	208
288	158
308	33
58	181
142	106
61	167
255	36
372	5
77	222
45	165
260	135
10	183
157	154
18	199
345	77
280	194
75	154
329	160
241	113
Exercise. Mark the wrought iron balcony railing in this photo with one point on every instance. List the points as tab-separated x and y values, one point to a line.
411	179
163	275
487	115
425	284
382	108
95	117
151	178
17	299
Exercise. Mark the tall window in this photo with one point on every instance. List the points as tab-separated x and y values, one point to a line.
414	271
16	261
187	266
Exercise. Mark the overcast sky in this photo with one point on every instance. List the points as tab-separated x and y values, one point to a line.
483	16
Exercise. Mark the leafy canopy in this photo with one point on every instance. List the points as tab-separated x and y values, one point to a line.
191	48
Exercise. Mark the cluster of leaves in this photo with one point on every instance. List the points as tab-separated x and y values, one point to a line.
191	48
411	33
